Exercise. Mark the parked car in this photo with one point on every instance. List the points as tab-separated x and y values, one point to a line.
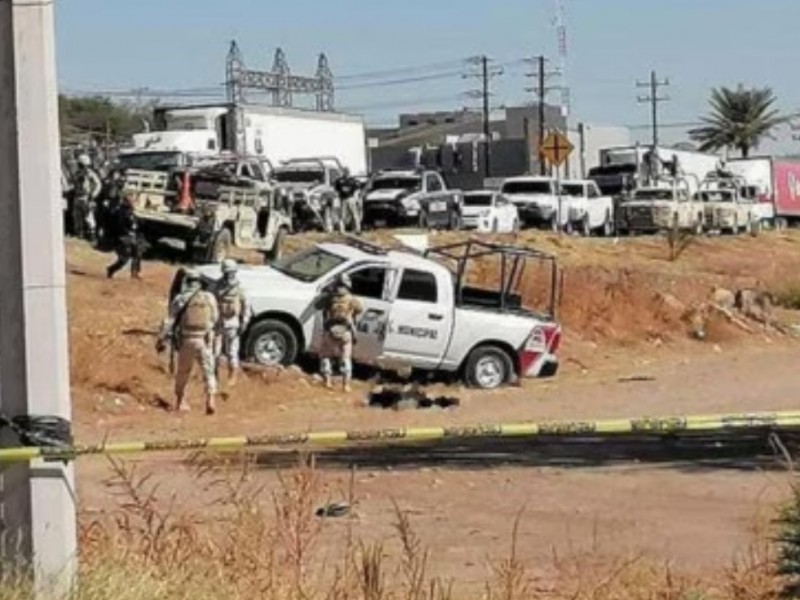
489	211
417	312
420	197
588	211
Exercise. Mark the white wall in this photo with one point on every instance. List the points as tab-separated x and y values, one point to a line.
596	137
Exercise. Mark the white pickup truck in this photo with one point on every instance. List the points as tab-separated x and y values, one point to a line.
587	209
536	199
654	209
411	198
417	312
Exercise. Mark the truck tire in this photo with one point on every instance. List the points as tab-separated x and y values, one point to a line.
220	247
272	342
488	368
276	252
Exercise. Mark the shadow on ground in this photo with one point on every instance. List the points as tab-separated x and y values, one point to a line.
752	451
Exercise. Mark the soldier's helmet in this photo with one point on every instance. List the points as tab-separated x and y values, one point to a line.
191	278
229	266
84	160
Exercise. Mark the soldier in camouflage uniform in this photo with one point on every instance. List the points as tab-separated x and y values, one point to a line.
234	314
339	310
86	190
193	317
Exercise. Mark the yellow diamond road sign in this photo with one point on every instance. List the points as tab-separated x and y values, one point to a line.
556	148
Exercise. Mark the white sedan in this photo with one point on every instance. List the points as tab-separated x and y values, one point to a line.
489	211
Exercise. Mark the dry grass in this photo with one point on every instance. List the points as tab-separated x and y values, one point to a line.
259	546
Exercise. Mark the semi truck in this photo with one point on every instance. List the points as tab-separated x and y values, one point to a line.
774	184
273	133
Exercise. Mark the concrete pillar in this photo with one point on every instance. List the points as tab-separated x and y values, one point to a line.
37	502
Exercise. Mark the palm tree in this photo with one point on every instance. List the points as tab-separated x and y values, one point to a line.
739	119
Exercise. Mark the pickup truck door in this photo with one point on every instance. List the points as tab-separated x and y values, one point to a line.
372	286
420	320
594	206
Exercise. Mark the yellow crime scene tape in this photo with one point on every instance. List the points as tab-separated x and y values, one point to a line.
697	424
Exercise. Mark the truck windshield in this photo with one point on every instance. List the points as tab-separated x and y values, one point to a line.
308	266
299	176
573	189
396	183
150	161
653	195
528	187
478	200
715	196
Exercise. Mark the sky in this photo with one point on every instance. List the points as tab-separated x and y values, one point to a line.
181	44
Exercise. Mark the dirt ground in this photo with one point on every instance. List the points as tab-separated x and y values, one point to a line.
697	514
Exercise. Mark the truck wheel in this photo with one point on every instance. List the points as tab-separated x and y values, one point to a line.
272	342
276	251
488	368
220	247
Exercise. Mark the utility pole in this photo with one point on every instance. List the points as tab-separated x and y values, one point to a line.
541	90
654	99
37	500
486	73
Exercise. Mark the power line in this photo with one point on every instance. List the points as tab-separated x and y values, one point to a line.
484	71
398	71
653	99
541	90
402	81
404	103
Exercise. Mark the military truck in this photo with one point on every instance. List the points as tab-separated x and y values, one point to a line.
208	224
307	186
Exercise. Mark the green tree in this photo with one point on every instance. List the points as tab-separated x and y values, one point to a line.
739	118
98	118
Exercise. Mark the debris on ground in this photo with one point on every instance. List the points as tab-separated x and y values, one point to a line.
334	510
408	398
636	379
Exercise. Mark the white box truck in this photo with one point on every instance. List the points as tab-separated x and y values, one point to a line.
275	134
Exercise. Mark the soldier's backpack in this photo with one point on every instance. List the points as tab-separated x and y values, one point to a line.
230	303
340	317
198	315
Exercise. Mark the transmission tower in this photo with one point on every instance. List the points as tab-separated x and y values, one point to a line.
279	82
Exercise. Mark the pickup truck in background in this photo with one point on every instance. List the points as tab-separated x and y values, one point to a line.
536	199
588	211
725	209
419	197
660	208
306	185
419	311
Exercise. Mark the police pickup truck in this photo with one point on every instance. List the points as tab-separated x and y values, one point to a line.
418	310
411	198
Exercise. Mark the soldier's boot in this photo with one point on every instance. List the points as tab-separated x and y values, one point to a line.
211	404
346	383
328	381
233	376
181	405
